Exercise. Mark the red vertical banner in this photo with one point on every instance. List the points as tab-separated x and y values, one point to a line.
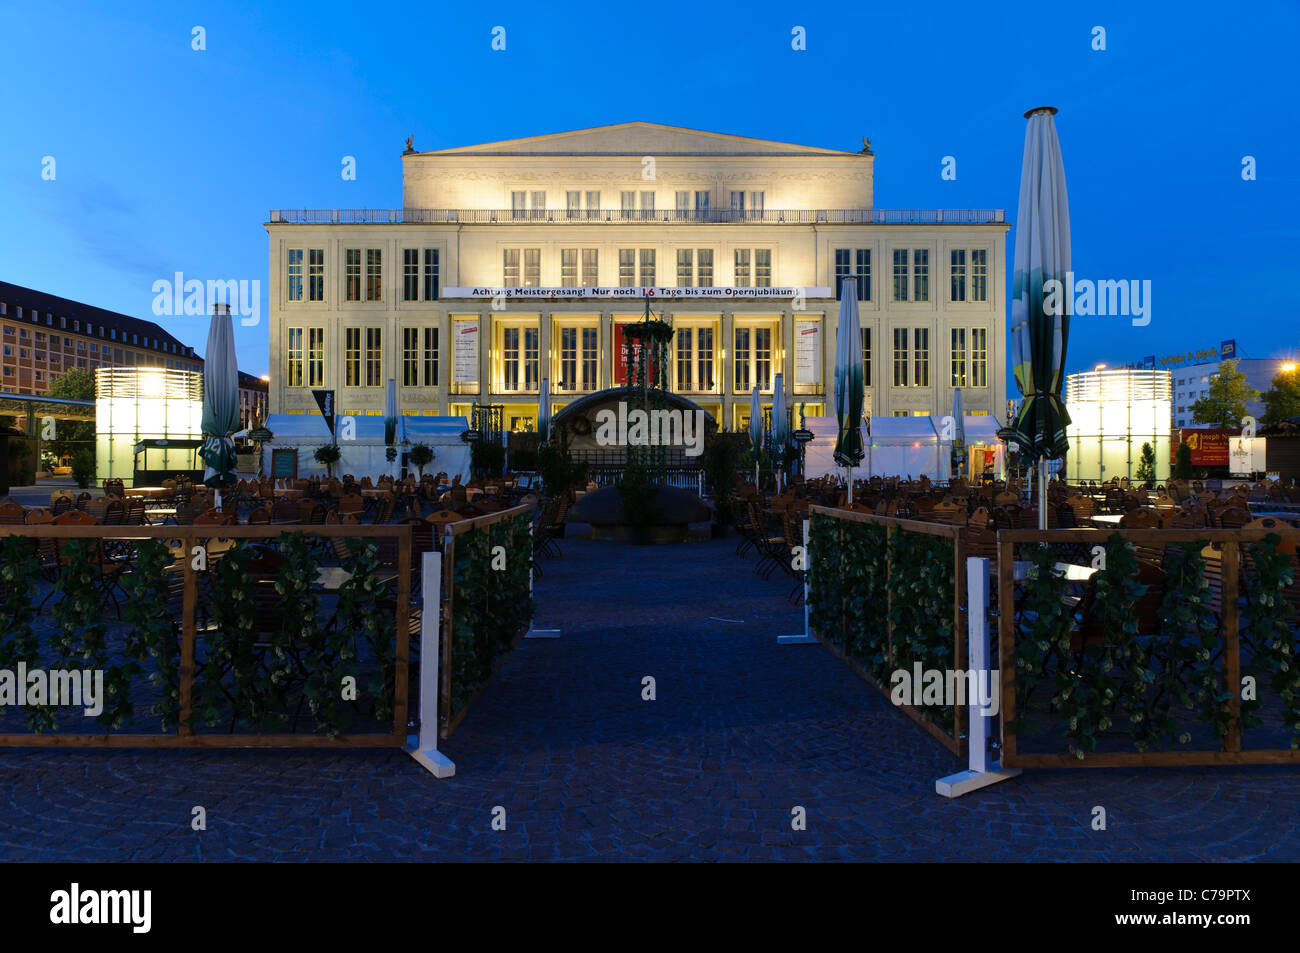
625	351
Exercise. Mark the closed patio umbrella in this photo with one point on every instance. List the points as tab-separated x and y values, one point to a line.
390	420
958	433
848	382
755	428
1040	315
220	401
544	411
780	426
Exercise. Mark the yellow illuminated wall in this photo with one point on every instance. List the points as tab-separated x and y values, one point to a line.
132	404
1112	413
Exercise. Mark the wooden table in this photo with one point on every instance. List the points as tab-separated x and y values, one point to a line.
149	492
289	494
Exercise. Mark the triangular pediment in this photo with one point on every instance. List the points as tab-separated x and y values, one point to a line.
637	138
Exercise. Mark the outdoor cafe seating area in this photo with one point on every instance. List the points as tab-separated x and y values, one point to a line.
771	524
428	504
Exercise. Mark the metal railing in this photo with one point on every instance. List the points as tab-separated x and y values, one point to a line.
719	216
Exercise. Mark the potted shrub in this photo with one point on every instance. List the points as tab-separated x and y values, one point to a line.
419	456
83	468
328	455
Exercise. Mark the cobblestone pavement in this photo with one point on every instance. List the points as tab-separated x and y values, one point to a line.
741	732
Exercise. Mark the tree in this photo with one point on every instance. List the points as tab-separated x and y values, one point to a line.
1226	402
420	456
1146	468
328	455
1183	462
1283	398
70	436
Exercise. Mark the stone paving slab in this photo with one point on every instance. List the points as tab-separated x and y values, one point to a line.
741	732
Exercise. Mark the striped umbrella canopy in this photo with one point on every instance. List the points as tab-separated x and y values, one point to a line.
958	432
849	385
755	428
1040	315
544	411
220	401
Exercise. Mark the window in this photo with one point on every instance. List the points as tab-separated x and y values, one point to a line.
683	206
293	361
866	357
352	273
410	274
685	267
568	267
704	264
647	267
627	204
315	357
737	205
519	350
532	267
295	274
647	205
695	359
756	203
627	260
702	205
979	357
753	358
900	355
957	270
593	205
374	357
518	205
315	274
590	267
742	273
539	204
572	204
762	267
410	357
921	274
374	274
920	357
900	274
431	274
430	357
958	357
352	357
856	262
979	274
579	359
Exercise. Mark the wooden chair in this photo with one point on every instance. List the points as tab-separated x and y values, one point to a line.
214	517
1140	519
1232	517
12	513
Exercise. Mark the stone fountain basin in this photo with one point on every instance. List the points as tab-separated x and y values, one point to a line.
602	510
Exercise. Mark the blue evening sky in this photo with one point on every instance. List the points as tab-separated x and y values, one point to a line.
169	159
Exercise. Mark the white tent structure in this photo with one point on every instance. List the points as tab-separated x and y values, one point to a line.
913	447
363	454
